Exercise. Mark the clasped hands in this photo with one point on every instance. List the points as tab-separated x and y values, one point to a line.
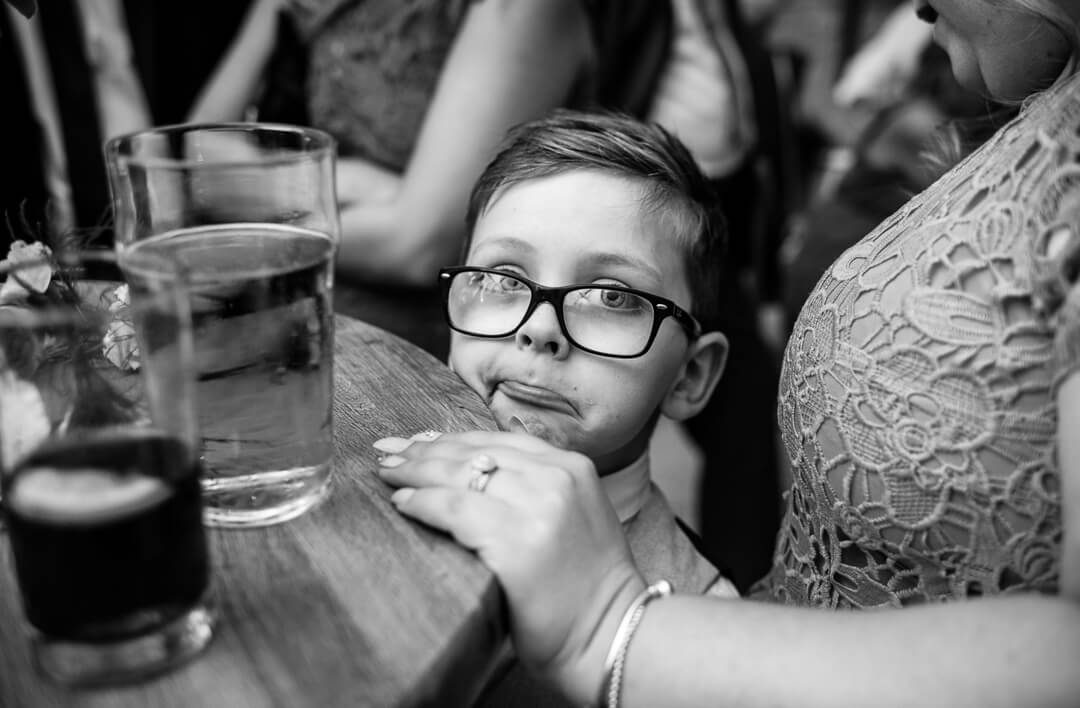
541	522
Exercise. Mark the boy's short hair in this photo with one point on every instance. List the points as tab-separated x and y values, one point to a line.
673	188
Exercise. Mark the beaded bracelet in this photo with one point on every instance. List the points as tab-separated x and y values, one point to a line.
611	687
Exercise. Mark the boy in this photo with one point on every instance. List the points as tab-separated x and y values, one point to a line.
581	316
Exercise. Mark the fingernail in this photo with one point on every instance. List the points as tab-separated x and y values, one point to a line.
516	425
392	445
426	436
402	495
391	461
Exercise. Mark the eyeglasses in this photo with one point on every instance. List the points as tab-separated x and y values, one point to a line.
608	320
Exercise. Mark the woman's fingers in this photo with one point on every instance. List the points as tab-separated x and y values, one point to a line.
456	459
471	519
510	474
432	470
393	445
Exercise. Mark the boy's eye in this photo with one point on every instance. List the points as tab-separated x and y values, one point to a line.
613	298
507	283
495	282
608	299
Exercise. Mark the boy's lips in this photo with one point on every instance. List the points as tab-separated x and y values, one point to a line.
535	396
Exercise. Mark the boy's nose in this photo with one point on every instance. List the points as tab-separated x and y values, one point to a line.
542	332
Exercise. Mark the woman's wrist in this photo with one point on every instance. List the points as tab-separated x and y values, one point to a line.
583	682
615	664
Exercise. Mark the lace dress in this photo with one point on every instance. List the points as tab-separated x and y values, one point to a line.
373	66
915	401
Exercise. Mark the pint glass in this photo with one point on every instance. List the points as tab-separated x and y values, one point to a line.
249	211
101	496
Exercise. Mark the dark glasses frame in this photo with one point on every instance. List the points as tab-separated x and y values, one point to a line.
662	308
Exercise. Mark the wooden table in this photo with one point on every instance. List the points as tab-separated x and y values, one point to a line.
348	605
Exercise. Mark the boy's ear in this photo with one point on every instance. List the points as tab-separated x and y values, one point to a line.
699	375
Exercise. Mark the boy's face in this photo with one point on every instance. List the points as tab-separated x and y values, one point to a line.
575	228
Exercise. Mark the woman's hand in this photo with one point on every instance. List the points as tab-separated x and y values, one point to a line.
545	528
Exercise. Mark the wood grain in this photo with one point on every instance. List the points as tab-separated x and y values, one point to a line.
348	605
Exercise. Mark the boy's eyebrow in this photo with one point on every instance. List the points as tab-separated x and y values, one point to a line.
592	260
605	259
505	241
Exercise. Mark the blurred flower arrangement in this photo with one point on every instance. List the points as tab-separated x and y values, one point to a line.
40	279
55	376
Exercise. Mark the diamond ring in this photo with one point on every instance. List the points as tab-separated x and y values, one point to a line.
484	466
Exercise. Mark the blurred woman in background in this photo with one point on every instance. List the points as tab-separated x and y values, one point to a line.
417	95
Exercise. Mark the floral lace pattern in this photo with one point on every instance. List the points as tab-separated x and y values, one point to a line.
373	68
915	399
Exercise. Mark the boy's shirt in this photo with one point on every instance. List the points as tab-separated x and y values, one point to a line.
661	551
660	548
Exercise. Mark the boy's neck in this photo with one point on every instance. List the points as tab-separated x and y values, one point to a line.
628	487
628	454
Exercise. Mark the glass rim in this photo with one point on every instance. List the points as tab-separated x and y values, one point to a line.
322	143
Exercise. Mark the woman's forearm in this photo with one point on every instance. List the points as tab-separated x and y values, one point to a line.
1007	652
512	61
233	84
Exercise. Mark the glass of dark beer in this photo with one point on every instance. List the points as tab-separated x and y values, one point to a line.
100	476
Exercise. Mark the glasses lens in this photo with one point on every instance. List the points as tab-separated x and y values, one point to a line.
487	304
608	321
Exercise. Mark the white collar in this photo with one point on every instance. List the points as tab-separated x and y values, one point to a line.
628	488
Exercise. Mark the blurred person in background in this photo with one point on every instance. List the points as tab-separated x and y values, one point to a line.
417	95
74	74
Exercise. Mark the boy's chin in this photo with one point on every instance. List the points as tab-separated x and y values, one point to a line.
534	424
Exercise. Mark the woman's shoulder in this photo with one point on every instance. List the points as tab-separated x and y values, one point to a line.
1022	171
1057	106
